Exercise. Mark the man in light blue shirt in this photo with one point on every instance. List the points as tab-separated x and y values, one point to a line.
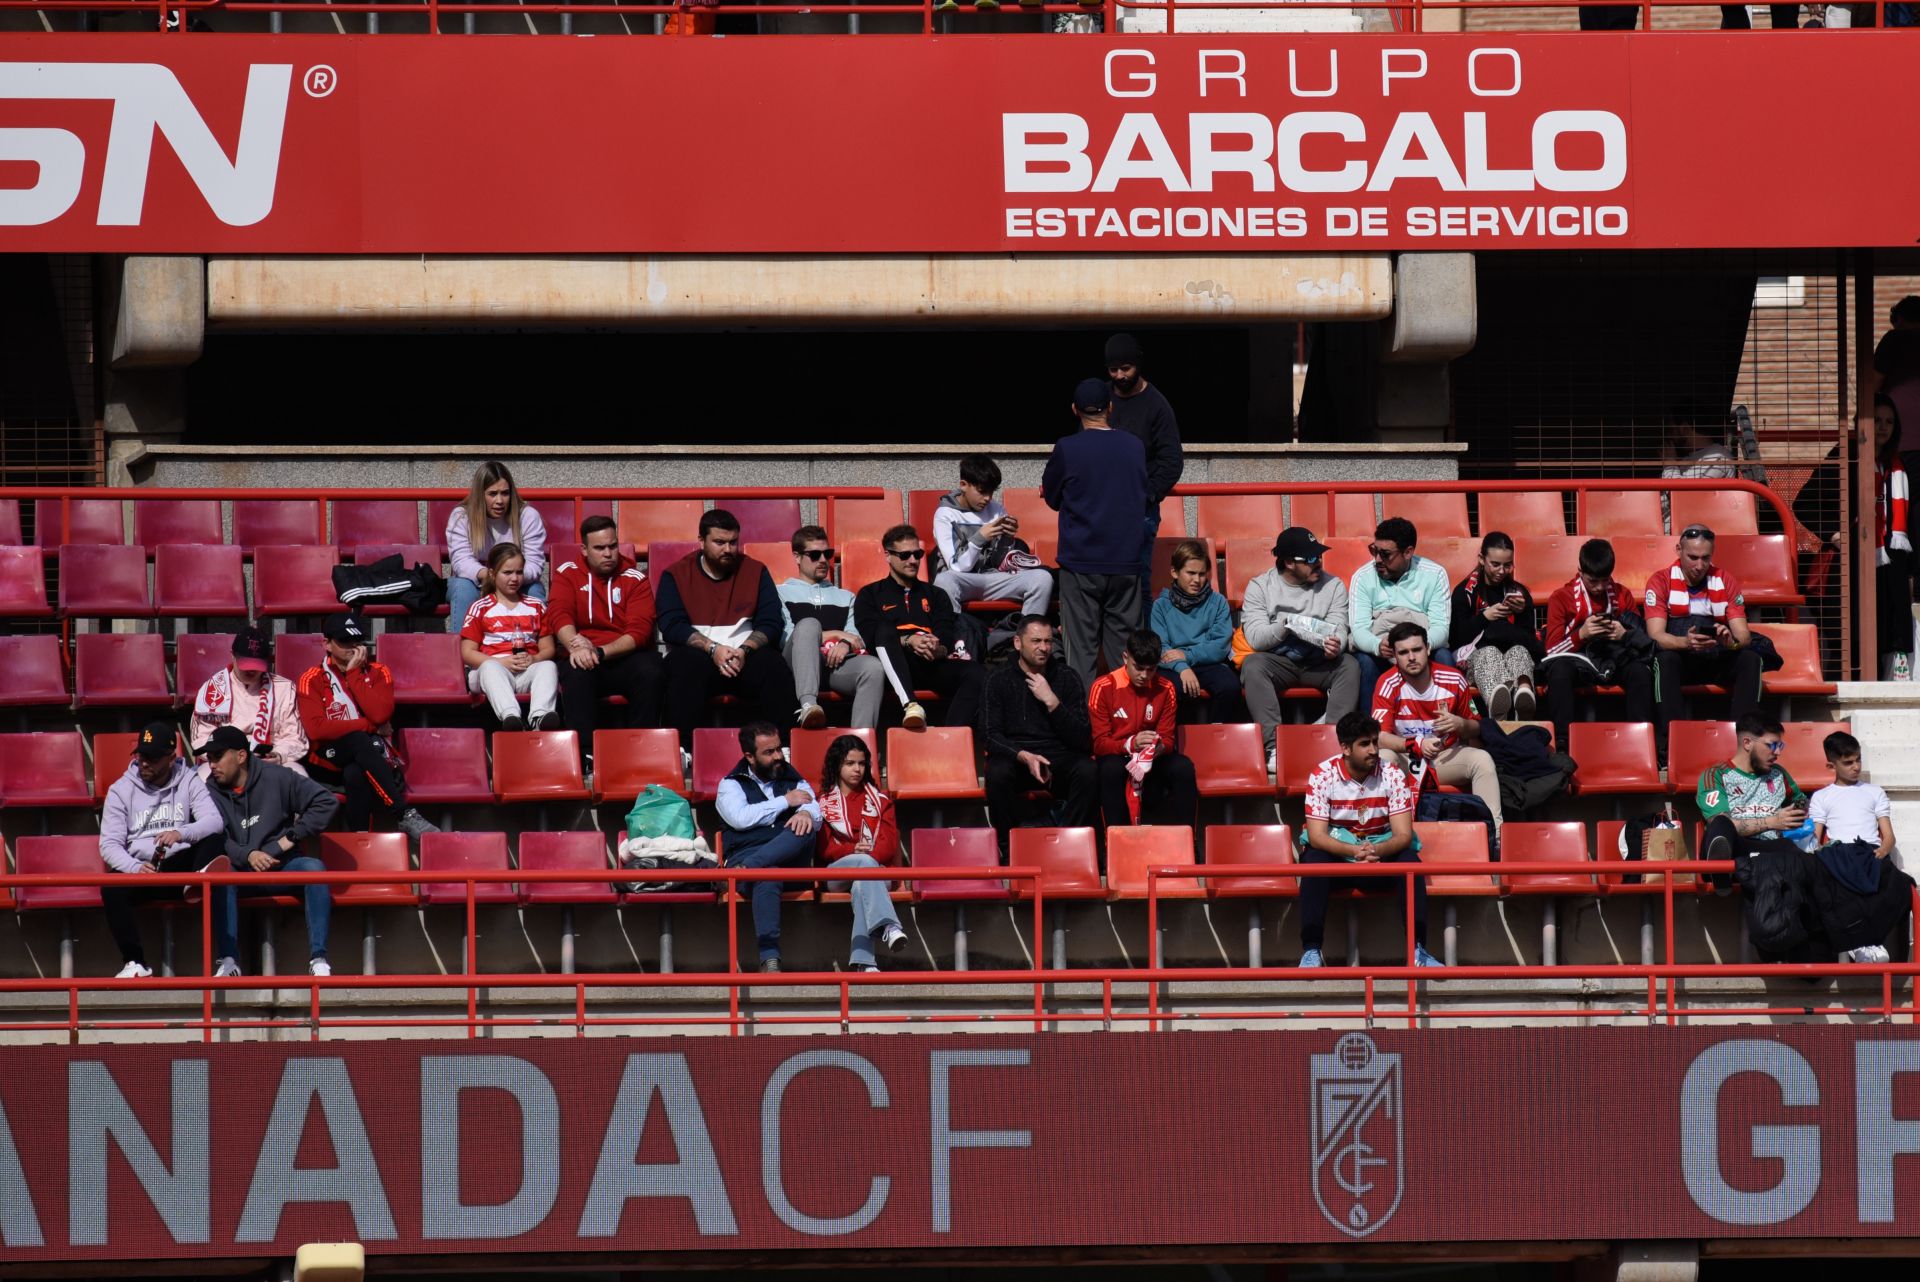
1396	587
772	820
820	632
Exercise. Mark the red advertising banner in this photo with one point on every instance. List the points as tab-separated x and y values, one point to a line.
913	144
906	1142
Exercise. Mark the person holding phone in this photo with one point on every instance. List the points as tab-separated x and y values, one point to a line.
1749	802
1697	617
1493	633
1039	735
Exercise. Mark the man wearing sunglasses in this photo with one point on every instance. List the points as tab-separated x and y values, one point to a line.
1396	586
1295	620
1697	616
820	632
910	626
1750	802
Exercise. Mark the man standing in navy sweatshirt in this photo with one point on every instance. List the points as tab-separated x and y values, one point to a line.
1096	480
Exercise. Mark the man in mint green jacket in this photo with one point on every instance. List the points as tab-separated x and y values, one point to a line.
1396	587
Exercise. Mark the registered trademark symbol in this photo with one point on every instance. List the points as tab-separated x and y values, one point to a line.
320	80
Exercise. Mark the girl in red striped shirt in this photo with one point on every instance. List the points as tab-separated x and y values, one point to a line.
507	645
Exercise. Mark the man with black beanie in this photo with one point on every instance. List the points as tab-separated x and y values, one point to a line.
1140	410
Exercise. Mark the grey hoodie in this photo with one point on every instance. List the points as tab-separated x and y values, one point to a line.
275	803
1272	604
135	814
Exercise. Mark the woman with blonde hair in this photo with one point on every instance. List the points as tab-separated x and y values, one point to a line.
492	513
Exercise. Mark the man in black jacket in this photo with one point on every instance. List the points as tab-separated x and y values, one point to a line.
269	810
1140	410
909	624
1038	736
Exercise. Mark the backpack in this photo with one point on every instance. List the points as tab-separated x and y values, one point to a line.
1778	905
387	581
1457	808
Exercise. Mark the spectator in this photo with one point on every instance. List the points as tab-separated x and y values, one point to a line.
858	830
1144	777
1853	829
1138	408
719	616
1427	719
1397	587
158	818
973	534
818	629
602	613
770	817
1493	632
1096	480
1896	360
1038	735
1749	802
1893	558
1697	617
493	509
1359	811
911	627
1196	624
1294	618
247	694
1608	17
507	645
1596	637
267	812
1695	453
346	705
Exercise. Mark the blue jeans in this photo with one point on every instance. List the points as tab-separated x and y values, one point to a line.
318	900
1372	665
462	593
872	907
781	850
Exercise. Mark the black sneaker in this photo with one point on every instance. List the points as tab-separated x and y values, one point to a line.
514	724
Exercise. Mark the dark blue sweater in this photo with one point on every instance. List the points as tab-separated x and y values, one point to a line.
1096	480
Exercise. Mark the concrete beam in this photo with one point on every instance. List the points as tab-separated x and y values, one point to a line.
975	290
161	320
1436	312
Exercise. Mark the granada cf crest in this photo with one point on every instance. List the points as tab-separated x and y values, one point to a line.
1359	1145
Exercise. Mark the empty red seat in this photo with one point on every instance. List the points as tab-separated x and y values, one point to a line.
1239	844
36	677
1244	561
1798	645
1540	512
78	521
1722	511
562	520
1300	750
278	522
866	519
763	519
1349	515
294	653
196	657
32	855
23	584
1637	558
1805	756
10	531
1763	563
1068	859
626	762
664	554
1248	517
645	521
777	557
1558	843
538	765
446	765
1604	513
935	764
294	580
382	852
1614	756
45	769
112	750
565	851
716	751
957	848
808	752
1544	561
1459	556
199	581
1439	515
158	521
104	581
466	852
1692	746
426	667
1025	504
1228	760
1455	844
1131	851
1612	871
863	561
363	521
125	670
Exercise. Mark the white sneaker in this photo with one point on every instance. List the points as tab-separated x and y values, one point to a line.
1273	762
893	939
913	717
1500	702
319	968
226	968
812	716
135	970
1870	955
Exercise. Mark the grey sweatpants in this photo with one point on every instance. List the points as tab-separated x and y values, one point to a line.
1033	589
859	677
1096	613
1266	677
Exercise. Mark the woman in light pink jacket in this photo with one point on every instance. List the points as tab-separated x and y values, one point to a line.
491	513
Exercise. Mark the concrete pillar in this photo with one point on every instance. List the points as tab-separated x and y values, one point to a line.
159	328
1435	320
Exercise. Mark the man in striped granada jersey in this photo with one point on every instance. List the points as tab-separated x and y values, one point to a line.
1427	720
1359	810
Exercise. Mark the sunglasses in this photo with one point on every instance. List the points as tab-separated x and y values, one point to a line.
1384	554
1305	560
1775	745
818	554
914	555
1697	532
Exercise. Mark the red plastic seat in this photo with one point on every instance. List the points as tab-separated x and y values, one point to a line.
1173	517
1457	555
45	769
563	526
663	554
808	752
112	750
199	581
1544	561
10	531
1025	504
957	848
847	520
446	766
23	584
196	657
1228	760
777	557
864	561
278	523
1351	516
1636	559
1131	851
125	670
553	851
426	668
466	852
1537	512
1455	844
762	520
1300	750
294	580
1439	515
384	852
1244	517
1722	511
1605	513
1764	565
57	855
364	521
1693	746
645	521
1611	871
1244	560
1068	859
1557	843
935	764
159	521
100	581
1798	645
1805	756
1238	844
1614	756
538	765
716	751
87	521
625	762
36	677
431	555
294	653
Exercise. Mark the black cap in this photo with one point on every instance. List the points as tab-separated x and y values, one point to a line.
1123	349
253	648
1296	543
224	739
1092	396
347	629
155	742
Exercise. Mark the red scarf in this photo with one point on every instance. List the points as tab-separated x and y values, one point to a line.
1680	599
216	699
833	808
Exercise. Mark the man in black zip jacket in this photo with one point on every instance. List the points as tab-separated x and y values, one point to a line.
909	624
1039	736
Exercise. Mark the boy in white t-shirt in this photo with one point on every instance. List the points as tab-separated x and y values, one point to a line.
1852	824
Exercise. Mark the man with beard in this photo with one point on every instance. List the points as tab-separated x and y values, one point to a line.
1140	410
1697	616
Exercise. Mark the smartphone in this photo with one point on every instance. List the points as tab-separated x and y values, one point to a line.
1516	598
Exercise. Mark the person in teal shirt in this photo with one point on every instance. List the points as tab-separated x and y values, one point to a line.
1196	626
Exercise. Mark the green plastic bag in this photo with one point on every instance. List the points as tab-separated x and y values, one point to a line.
660	812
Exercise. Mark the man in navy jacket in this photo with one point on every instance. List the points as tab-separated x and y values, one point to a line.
1097	480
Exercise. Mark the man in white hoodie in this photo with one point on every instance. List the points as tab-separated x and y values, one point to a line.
159	817
249	695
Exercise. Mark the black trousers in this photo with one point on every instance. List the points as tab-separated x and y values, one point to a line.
357	765
1315	891
959	683
1168	795
120	901
764	685
1225	704
1733	17
634	676
1073	786
1568	681
1608	17
1738	670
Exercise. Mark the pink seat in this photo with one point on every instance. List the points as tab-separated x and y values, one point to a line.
466	852
563	527
23	583
100	581
48	769
87	521
196	657
10	535
716	751
431	555
57	855
446	765
663	554
199	581
120	670
36	676
551	851
426	668
294	580
158	521
764	519
361	521
296	652
957	848
278	522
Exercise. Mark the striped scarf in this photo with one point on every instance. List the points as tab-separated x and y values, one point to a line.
1680	600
